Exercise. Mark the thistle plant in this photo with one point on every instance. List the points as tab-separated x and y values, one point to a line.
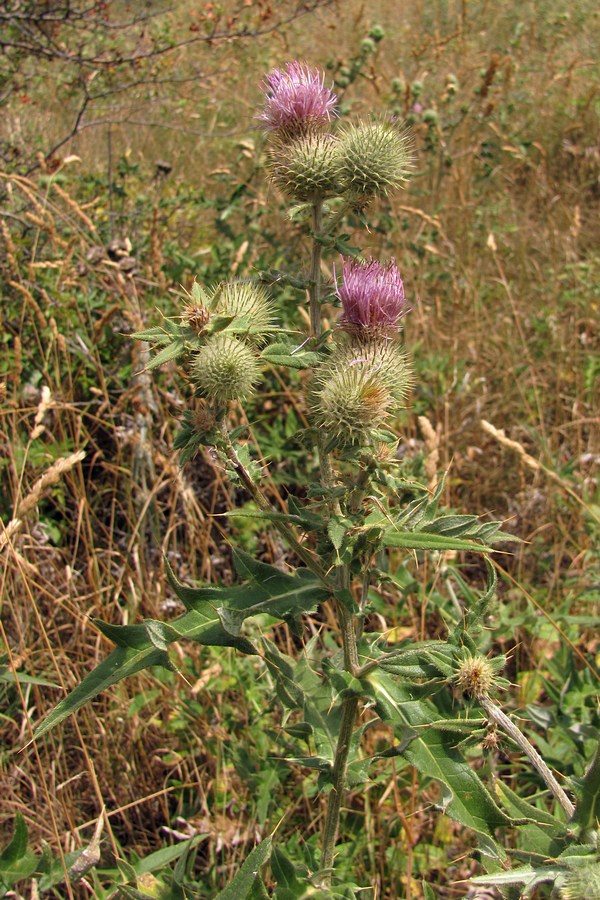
438	696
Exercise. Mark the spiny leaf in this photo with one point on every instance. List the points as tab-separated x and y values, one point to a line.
423	540
121	663
465	798
240	886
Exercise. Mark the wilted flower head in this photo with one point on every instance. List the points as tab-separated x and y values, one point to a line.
372	296
296	99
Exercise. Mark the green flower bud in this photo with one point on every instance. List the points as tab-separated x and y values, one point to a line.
196	316
367	46
306	169
357	388
398	86
225	369
384	360
374	158
244	300
377	33
417	88
431	117
350	405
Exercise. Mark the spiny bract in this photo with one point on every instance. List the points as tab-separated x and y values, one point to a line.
374	159
225	369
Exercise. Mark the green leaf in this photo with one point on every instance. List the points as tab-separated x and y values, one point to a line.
140	647
423	540
17	860
268	591
166	855
7	676
289	886
465	798
203	625
530	876
120	664
284	353
587	813
336	530
171	351
153	336
241	885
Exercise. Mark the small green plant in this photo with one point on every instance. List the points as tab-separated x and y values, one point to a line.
439	699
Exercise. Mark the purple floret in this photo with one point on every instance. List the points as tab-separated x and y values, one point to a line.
296	97
372	294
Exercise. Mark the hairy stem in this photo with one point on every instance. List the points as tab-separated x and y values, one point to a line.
508	726
262	502
314	278
334	804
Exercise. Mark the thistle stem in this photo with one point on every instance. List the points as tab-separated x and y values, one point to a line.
499	717
262	502
334	804
314	279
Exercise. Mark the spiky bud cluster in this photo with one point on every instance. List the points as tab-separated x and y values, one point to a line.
367	376
475	676
357	388
244	300
306	169
225	369
351	404
296	101
309	165
374	158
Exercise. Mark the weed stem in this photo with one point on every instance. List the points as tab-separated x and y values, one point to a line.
500	718
261	501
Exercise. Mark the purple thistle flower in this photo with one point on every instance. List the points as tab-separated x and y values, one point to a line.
296	99
372	295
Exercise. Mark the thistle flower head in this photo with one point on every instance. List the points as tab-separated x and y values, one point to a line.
296	100
306	169
384	361
476	676
374	159
225	369
350	404
244	300
372	296
357	388
196	316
